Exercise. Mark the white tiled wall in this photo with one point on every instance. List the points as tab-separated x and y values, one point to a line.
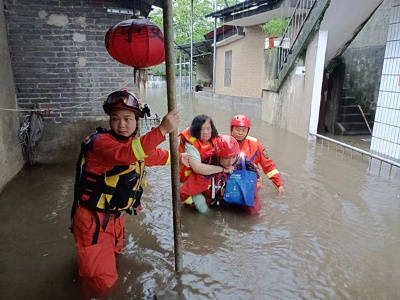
386	133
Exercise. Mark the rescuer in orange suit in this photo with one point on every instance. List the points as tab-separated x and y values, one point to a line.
108	185
255	151
211	188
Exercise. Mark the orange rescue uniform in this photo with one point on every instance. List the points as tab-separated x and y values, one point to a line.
96	260
256	153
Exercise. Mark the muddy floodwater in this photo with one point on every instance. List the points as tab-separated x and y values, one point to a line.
336	234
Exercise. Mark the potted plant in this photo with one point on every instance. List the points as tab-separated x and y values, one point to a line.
274	28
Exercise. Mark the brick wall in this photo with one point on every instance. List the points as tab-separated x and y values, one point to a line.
58	56
247	65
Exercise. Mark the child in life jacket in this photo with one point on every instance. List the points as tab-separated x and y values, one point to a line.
210	188
108	184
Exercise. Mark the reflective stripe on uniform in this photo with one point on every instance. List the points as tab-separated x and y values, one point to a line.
138	150
169	158
189	200
251	138
272	173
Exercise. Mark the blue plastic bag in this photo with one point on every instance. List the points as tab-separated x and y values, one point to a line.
240	186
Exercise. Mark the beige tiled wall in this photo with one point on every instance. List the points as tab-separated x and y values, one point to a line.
244	83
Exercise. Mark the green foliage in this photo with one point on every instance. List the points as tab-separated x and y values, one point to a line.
181	16
275	27
160	73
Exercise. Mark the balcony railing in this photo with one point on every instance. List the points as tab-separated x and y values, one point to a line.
299	16
379	159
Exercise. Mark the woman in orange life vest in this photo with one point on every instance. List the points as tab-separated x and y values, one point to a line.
108	184
225	154
255	151
195	140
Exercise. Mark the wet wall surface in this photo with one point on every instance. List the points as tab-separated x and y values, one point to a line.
334	236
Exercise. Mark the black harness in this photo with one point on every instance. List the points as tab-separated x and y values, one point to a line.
92	186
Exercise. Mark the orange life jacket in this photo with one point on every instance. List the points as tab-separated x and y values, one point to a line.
185	137
256	153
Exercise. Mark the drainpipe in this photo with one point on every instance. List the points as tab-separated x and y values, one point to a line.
173	136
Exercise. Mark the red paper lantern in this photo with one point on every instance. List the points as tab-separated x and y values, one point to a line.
136	42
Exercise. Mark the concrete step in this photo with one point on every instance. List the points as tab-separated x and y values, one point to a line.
357	117
353	133
348	100
349	109
356	126
352	128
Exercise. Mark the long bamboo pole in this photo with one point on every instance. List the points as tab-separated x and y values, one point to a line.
173	137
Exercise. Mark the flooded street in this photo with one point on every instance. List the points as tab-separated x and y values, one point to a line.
334	236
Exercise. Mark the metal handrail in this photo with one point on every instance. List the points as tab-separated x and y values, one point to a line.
381	159
293	30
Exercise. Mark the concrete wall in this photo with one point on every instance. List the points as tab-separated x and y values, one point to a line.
11	160
290	109
244	58
364	59
61	142
241	105
269	81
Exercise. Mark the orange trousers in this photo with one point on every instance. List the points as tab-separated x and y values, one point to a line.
97	263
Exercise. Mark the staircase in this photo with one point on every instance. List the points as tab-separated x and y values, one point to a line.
308	17
350	120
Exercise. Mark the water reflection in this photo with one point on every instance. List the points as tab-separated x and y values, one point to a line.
329	238
335	235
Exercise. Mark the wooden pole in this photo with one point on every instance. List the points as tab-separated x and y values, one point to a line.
365	119
173	137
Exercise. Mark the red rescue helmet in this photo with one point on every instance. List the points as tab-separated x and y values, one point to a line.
226	146
241	121
122	99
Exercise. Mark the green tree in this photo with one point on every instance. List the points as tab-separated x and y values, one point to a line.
275	27
181	15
